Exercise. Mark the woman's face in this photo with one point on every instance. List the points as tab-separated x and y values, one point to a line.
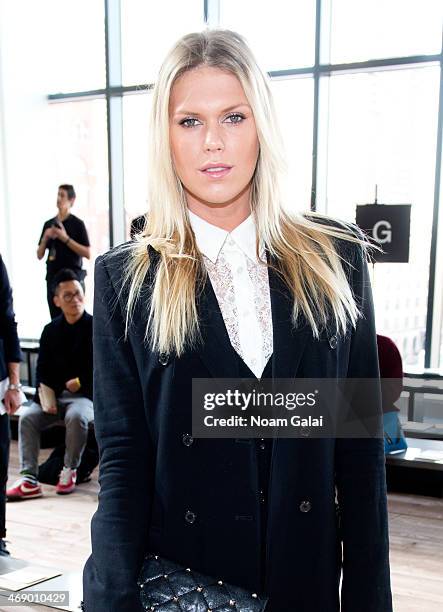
213	138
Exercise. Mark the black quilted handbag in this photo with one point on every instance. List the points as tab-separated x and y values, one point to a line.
166	586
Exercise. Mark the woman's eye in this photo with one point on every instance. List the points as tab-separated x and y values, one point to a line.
189	122
235	118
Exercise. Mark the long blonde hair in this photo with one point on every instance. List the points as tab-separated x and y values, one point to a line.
303	248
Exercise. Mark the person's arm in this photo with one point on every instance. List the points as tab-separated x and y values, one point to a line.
119	528
80	249
361	479
41	249
46	236
12	399
14	373
8	325
11	343
84	379
84	250
46	362
391	372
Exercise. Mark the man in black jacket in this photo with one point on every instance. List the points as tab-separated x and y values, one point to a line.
64	390
10	357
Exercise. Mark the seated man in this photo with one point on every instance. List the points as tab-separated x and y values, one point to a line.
64	366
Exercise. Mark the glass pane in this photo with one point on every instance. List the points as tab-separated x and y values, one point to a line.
438	289
68	144
281	36
362	30
149	29
74	43
382	131
294	101
136	110
79	157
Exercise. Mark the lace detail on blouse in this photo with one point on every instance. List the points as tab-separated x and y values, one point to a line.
222	281
255	295
262	301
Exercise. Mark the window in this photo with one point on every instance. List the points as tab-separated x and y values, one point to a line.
346	127
362	30
79	149
294	101
382	131
149	29
281	34
135	150
74	45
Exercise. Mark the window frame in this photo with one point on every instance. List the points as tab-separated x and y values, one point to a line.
114	92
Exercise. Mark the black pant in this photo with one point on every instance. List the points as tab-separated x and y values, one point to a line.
4	460
53	309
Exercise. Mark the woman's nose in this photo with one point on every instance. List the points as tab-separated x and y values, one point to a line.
213	139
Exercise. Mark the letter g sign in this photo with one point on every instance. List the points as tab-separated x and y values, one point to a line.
382	232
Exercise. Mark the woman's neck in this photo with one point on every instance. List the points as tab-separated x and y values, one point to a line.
227	217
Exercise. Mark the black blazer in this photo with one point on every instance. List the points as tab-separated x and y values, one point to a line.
9	342
151	475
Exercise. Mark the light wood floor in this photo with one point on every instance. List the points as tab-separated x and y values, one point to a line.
54	530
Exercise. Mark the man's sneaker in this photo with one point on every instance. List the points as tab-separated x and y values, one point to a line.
26	487
4	552
66	481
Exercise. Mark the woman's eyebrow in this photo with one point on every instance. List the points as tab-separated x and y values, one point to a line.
225	110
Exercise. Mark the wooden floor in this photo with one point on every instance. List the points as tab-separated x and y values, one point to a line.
54	530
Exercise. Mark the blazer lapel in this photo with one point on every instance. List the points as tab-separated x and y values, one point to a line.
216	350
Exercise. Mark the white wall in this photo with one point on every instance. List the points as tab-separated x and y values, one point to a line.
3	190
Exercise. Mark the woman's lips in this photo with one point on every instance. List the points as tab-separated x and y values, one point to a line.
216	173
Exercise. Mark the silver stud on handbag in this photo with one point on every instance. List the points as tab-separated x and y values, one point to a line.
166	586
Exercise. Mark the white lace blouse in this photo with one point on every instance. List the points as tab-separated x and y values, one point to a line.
241	285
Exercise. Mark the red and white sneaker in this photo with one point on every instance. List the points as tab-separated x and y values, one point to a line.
66	481
24	488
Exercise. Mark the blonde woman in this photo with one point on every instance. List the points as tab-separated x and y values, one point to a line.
224	282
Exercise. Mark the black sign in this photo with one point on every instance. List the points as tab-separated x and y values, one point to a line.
388	225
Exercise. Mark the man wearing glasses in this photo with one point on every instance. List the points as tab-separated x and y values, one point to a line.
64	390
